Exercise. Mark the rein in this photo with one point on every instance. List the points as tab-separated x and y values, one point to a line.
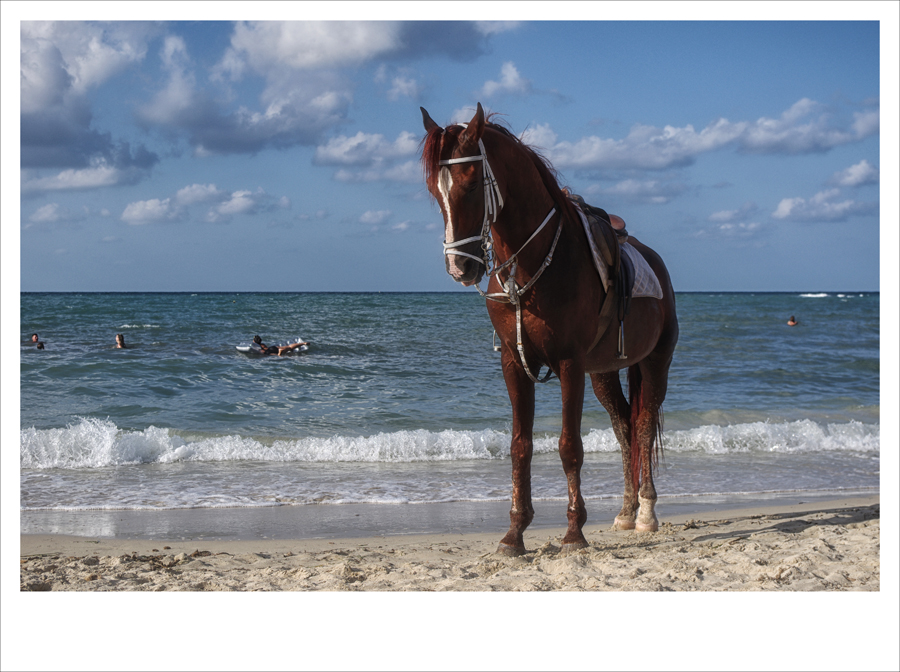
493	203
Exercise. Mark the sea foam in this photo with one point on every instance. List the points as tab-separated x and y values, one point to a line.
93	443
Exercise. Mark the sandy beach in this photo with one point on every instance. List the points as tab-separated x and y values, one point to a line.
448	601
821	546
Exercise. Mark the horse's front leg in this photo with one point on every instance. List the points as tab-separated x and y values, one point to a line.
521	395
571	449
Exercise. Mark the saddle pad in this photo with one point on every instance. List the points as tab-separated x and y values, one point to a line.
595	251
646	284
645	281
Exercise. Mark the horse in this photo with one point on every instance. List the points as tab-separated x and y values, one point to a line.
505	215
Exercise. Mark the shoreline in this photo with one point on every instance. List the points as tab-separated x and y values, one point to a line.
349	521
814	546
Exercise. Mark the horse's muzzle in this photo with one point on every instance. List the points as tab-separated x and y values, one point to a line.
464	270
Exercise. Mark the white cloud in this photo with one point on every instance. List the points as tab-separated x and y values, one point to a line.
47	213
87	54
60	63
403	87
733	215
655	192
178	97
540	136
199	193
462	114
732	230
740	228
866	123
365	149
245	202
145	212
494	27
87	178
409	172
823	207
374	217
644	147
296	106
239	203
510	82
856	175
305	45
803	128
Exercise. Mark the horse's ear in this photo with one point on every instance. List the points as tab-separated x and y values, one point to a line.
475	129
429	123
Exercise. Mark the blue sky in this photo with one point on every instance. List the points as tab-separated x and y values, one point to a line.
253	156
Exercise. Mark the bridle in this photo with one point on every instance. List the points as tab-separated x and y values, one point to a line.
493	203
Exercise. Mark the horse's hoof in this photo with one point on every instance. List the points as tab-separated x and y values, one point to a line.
510	551
646	518
623	523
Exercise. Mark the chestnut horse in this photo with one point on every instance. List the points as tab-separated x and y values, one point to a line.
506	215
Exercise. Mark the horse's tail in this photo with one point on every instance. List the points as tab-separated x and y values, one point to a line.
635	400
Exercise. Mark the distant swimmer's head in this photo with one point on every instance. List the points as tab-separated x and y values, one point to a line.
34	338
120	340
40	346
257	340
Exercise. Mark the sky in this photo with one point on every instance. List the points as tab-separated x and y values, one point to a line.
272	155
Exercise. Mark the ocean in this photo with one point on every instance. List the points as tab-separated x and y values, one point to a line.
400	401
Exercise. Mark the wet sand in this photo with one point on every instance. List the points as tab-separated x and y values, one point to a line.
818	546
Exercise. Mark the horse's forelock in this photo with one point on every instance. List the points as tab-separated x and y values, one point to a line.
431	156
432	146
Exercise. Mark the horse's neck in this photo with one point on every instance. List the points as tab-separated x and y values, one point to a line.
523	212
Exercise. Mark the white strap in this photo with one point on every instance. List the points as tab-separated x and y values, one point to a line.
464	159
513	257
457	243
465	254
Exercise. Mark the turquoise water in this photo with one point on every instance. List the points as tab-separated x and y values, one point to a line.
400	399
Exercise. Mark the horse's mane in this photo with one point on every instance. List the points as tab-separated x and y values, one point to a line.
431	155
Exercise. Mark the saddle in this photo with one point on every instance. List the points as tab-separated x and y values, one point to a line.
624	272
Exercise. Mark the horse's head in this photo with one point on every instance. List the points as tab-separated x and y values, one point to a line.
454	175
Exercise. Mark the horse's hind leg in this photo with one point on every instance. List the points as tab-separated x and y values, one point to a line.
653	384
608	389
521	395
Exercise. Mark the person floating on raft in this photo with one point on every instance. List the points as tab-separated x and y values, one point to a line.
277	349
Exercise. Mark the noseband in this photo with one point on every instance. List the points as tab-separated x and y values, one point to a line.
512	293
